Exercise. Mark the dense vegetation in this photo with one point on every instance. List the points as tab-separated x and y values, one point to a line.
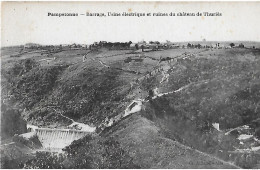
87	153
217	86
80	92
11	122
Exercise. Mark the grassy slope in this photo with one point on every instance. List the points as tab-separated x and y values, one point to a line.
150	148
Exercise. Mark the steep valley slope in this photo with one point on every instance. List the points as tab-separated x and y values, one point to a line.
184	93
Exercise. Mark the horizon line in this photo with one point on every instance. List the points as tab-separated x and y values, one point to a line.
137	42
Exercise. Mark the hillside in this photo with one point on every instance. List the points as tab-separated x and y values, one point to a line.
183	93
150	146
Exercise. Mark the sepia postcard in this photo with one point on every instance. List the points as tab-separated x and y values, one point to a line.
130	85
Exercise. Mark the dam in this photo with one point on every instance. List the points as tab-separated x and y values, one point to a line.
56	139
39	139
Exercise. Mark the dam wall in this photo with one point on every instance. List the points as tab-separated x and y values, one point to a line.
58	138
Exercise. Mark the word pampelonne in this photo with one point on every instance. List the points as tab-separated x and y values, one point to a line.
63	14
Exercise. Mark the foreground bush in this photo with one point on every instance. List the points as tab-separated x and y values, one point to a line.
45	160
97	152
89	152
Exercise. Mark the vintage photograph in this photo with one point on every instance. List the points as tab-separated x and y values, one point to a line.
130	85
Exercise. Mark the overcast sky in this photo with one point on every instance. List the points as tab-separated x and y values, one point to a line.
24	22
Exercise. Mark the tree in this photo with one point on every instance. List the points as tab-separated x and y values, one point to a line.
232	45
142	48
128	44
136	46
241	45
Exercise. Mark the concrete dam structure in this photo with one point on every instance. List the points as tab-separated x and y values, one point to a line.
39	139
56	139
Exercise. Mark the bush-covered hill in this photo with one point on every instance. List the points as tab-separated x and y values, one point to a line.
151	146
85	91
224	90
212	86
